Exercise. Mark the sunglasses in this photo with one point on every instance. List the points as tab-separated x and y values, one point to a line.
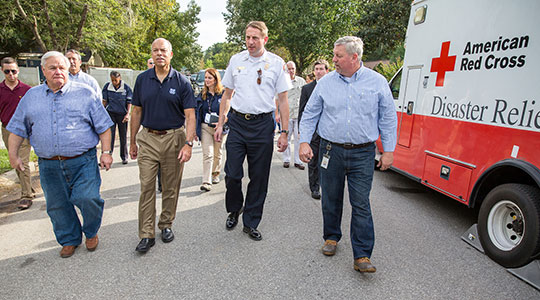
259	74
12	71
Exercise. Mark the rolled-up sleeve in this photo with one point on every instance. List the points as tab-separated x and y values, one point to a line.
100	118
387	119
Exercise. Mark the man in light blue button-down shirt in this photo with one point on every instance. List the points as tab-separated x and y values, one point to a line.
64	121
352	106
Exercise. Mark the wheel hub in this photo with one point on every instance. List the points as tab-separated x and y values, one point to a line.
505	225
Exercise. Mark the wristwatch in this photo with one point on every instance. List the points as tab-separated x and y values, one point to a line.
189	143
107	152
285	131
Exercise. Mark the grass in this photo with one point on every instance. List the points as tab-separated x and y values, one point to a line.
4	160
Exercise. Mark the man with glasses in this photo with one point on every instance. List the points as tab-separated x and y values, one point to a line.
11	92
255	76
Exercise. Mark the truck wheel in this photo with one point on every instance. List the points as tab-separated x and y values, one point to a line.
509	224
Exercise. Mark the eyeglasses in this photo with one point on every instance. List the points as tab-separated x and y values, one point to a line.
150	63
12	71
259	74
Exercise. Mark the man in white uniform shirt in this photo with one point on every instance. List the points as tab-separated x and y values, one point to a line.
255	76
294	100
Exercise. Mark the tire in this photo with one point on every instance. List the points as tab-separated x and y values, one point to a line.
509	224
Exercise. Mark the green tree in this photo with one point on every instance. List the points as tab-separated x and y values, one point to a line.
383	27
218	55
306	29
120	31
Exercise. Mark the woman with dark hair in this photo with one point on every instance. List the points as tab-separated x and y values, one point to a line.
207	117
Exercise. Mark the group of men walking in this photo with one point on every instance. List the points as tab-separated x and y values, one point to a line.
344	111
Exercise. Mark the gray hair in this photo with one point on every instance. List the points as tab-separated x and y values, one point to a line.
352	44
54	54
75	52
292	63
115	74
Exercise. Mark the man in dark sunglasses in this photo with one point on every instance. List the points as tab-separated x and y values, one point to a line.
11	92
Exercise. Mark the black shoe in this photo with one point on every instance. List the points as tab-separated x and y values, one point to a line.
232	219
167	235
286	164
253	233
124	161
315	195
145	245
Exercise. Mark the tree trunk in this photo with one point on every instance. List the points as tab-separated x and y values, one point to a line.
78	36
33	26
49	25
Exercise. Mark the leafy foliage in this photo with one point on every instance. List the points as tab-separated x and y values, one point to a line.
383	27
120	31
388	70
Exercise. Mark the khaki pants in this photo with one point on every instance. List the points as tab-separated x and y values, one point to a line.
154	151
211	153
24	176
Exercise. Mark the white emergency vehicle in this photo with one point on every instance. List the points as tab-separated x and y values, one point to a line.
469	115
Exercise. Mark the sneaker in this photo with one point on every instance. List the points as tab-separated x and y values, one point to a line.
364	265
215	179
206	187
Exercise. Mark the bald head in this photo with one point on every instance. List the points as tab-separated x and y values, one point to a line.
162	53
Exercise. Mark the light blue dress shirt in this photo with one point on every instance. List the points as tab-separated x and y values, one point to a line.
86	79
66	123
241	75
352	110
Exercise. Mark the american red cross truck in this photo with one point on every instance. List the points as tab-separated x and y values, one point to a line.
469	115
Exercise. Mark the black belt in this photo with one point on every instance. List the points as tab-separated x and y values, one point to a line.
249	116
351	146
158	132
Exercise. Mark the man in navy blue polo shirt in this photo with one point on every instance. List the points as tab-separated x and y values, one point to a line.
117	99
162	103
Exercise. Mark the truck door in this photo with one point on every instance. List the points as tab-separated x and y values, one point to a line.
407	107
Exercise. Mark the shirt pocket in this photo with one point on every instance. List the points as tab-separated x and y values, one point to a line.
367	104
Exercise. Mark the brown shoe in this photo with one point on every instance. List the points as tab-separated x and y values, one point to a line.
67	251
286	164
329	248
299	166
91	244
25	203
363	265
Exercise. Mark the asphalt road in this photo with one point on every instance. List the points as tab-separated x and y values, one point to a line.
418	250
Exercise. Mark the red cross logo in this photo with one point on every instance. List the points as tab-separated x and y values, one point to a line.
443	64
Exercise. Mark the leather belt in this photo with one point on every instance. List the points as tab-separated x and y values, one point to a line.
249	116
60	157
351	146
158	132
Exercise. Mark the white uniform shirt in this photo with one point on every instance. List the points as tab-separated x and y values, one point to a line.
294	96
241	76
88	80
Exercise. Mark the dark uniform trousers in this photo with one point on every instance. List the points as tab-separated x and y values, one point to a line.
122	131
313	165
254	139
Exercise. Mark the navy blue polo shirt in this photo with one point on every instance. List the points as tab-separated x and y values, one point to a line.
117	99
163	103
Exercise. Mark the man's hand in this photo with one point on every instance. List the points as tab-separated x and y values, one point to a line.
305	152
105	161
386	160
278	118
16	163
185	154
133	150
126	118
218	133
282	142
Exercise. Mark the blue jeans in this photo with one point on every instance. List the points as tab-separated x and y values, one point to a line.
357	166
70	183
